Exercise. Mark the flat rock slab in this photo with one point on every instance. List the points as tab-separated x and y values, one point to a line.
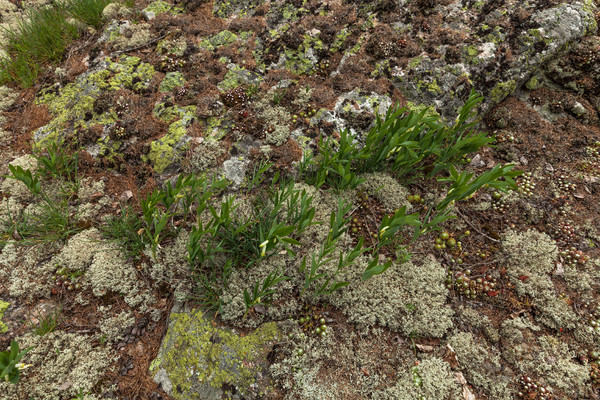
200	361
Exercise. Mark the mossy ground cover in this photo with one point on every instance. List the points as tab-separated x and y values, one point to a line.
501	296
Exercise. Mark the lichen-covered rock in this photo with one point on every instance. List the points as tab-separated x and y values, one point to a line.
171	81
160	7
70	104
235	171
168	149
241	8
200	361
237	76
356	110
443	81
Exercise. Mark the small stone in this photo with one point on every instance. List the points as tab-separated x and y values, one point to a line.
149	15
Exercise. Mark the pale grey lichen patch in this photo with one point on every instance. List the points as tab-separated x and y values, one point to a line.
88	188
435	381
171	266
554	362
531	257
479	321
116	10
10	211
111	272
204	155
518	340
387	190
409	298
481	365
77	255
124	35
241	279
112	326
530	251
62	363
278	117
25	274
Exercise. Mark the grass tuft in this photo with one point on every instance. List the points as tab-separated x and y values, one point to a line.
88	11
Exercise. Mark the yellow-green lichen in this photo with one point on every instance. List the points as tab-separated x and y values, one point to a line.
339	41
223	38
171	81
161	7
414	62
501	90
199	357
164	151
70	105
3	307
237	76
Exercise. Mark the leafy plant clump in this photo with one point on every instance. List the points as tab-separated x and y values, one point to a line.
10	368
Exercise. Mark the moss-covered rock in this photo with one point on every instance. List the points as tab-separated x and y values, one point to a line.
200	361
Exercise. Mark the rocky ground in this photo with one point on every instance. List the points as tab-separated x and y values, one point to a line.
221	88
